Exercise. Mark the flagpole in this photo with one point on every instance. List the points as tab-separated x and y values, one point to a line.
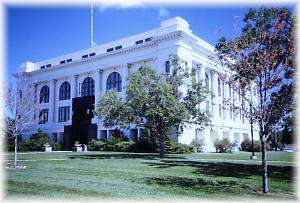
92	26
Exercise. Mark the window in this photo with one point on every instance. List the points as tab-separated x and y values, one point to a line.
206	82
230	112
110	49
168	66
20	94
219	87
148	39
88	87
207	107
229	91
118	47
48	65
42	67
69	60
114	81
92	54
44	94
85	56
139	42
19	117
63	114
64	91
62	62
220	110
43	117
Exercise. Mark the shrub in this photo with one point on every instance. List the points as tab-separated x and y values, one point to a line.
117	136
177	148
143	146
222	146
246	145
198	144
97	145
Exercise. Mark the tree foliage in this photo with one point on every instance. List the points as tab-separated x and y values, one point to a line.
156	102
264	53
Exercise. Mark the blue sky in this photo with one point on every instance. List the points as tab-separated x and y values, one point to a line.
38	33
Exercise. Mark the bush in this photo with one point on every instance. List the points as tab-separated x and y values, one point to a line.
246	146
97	145
223	146
177	148
197	144
143	146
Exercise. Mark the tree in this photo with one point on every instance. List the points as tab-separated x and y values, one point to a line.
156	102
264	52
19	109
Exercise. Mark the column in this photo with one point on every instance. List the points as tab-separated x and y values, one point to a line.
100	81
97	86
74	88
35	101
51	116
214	93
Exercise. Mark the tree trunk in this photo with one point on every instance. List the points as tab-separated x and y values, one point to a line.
15	152
161	146
264	165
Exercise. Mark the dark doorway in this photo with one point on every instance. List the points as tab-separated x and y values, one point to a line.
81	130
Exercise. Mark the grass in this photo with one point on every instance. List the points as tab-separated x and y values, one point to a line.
143	176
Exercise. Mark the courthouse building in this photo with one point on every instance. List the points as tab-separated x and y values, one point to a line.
67	87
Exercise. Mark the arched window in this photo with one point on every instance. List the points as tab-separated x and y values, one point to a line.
206	81
64	91
44	94
88	87
114	81
219	87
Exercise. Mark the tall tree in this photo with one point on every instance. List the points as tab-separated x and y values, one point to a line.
263	53
156	102
20	107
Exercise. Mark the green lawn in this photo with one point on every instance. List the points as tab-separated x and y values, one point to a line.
140	176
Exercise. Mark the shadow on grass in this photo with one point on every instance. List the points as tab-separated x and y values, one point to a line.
281	173
203	184
123	156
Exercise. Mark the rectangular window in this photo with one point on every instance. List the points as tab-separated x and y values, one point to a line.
220	110
139	42
20	94
118	47
110	49
19	117
85	56
42	67
168	65
48	65
230	112
63	114
148	39
62	62
69	60
43	117
92	54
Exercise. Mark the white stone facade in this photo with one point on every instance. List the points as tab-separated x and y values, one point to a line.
173	37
